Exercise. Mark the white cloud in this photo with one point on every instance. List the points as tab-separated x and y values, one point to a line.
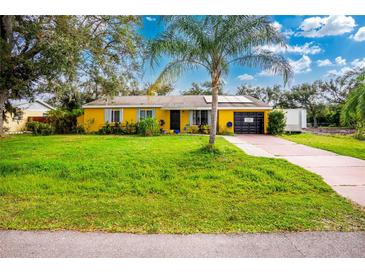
355	64
340	61
149	18
301	65
326	26
276	25
245	77
307	48
336	73
358	63
360	35
324	63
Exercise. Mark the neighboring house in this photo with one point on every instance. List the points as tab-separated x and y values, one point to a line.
238	114
31	110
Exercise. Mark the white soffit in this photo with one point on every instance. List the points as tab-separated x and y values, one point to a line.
228	99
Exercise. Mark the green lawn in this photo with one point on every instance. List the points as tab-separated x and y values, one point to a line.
344	145
161	184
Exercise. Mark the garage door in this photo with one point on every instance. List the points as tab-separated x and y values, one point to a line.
249	122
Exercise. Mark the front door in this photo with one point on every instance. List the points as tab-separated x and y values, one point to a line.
175	119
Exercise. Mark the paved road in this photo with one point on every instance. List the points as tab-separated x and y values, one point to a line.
91	244
346	175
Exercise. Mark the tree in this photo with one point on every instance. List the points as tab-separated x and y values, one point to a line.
214	43
354	107
269	95
39	53
201	89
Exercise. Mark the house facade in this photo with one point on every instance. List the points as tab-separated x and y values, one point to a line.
36	111
236	114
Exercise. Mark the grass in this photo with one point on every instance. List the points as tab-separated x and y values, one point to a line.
166	184
344	145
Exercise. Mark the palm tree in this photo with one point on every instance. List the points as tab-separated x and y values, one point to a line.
214	43
354	107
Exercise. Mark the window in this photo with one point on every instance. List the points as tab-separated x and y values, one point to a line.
145	113
200	117
116	116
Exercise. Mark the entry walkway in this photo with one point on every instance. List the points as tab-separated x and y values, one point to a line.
346	175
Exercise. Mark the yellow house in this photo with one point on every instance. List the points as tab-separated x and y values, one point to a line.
236	114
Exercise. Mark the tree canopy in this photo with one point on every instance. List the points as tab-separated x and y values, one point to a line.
61	53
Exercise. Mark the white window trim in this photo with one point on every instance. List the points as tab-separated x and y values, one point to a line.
191	116
145	109
108	115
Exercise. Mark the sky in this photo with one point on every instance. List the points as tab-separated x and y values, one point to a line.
319	48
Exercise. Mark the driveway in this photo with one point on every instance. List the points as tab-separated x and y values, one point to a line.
346	175
31	244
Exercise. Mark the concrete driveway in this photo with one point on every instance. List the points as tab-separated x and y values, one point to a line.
346	175
71	244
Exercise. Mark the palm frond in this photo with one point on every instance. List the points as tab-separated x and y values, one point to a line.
266	60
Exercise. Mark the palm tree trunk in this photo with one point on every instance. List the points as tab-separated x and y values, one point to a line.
213	127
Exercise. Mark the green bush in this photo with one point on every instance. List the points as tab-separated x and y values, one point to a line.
38	128
131	128
276	122
114	128
149	127
194	129
64	121
205	129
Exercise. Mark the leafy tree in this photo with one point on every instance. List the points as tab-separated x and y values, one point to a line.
201	89
196	89
214	43
270	95
354	107
39	53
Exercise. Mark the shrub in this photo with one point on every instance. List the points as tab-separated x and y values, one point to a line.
205	129
149	127
131	128
193	129
115	128
64	121
276	122
38	128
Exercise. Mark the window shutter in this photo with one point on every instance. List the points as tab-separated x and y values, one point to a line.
153	113
210	117
137	114
107	115
121	115
191	119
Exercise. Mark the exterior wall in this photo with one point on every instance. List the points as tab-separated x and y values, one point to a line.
93	119
16	125
164	115
225	116
184	120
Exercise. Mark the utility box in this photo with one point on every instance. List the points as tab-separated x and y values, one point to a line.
296	119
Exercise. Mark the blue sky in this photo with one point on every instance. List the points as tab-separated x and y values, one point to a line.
319	47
